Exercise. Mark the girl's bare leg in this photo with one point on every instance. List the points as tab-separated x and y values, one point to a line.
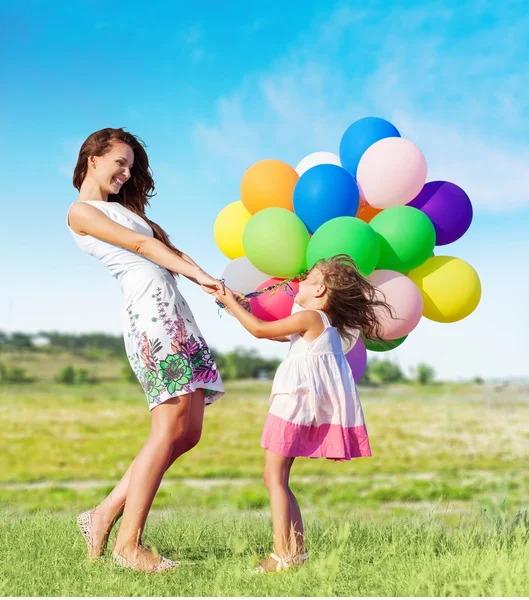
176	428
297	533
276	481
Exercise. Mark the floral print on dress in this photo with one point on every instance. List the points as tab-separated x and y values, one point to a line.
175	373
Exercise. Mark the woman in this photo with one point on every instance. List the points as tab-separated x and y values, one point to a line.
163	343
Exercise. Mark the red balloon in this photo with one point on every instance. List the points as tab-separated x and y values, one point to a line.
276	304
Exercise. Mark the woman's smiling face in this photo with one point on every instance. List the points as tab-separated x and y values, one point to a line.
112	170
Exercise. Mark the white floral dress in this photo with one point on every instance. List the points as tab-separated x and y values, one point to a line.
163	343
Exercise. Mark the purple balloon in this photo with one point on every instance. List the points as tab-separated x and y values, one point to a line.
357	359
448	208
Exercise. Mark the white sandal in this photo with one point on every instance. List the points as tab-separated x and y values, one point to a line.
282	564
84	520
165	564
300	559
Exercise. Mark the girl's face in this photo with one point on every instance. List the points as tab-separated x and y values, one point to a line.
310	287
112	169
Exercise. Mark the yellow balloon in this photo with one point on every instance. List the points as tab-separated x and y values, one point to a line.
449	286
229	227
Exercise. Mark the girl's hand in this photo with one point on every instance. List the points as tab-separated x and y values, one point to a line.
225	296
242	300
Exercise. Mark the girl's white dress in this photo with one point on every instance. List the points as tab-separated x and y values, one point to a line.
315	410
163	343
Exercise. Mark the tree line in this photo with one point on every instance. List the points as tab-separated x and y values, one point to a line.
240	363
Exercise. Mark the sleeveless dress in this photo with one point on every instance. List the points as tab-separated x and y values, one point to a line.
163	343
315	410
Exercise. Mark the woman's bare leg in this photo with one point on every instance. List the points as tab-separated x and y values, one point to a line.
176	428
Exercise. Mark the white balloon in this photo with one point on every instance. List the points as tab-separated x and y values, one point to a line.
240	275
317	158
346	346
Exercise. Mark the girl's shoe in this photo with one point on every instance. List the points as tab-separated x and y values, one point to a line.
165	564
282	564
300	559
84	520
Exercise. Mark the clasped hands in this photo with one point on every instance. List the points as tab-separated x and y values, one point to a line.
216	288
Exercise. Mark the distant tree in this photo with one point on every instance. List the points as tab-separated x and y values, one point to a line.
384	371
425	374
4	338
230	368
66	375
84	376
478	380
127	373
14	375
367	377
20	341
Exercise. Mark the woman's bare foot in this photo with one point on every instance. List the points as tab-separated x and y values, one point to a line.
141	559
95	527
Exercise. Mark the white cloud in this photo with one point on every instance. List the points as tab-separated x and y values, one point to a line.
192	38
496	178
306	100
452	107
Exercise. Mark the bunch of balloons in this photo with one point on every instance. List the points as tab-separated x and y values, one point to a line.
372	202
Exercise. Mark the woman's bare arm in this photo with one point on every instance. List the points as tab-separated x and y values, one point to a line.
87	220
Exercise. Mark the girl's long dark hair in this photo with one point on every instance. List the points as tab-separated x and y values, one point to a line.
353	302
136	191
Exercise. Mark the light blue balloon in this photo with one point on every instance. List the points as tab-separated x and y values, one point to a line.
325	192
359	136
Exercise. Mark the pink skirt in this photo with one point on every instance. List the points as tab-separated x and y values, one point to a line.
333	442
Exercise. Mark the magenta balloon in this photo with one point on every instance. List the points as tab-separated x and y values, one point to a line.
357	359
404	298
448	207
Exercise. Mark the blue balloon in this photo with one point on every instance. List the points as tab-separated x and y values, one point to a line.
359	136
323	193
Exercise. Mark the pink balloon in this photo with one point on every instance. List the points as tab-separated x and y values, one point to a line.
273	306
391	172
357	359
405	299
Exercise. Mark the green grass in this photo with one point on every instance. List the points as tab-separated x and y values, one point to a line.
437	510
45	556
54	432
44	366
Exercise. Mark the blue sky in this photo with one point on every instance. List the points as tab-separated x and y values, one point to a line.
213	87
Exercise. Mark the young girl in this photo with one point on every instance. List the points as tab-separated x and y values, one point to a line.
315	410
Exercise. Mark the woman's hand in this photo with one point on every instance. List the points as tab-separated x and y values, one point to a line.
209	284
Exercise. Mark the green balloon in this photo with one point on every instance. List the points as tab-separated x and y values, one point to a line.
275	241
383	345
406	236
345	235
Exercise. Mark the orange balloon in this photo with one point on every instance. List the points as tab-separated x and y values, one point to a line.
366	212
268	183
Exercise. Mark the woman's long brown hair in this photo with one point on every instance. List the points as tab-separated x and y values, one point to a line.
136	192
353	302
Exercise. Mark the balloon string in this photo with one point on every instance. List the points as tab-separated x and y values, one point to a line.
271	288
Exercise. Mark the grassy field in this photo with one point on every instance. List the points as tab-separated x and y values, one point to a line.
438	510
